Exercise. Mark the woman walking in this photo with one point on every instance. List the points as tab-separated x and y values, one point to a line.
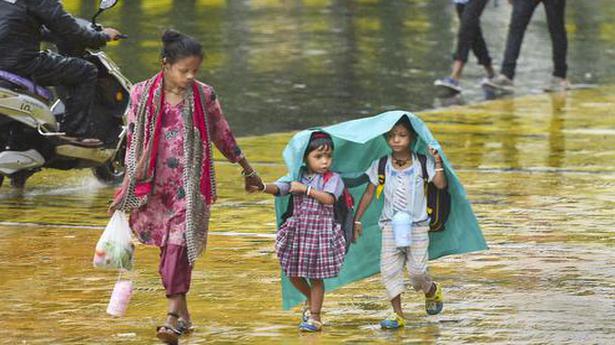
173	119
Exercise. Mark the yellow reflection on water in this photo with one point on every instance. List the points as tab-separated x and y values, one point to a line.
538	170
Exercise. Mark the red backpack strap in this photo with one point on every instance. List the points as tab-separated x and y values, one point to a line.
327	176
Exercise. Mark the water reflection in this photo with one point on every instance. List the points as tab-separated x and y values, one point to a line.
286	65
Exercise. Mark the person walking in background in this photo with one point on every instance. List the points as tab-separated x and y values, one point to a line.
521	14
469	37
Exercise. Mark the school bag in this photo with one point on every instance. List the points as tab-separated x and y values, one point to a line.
438	200
343	210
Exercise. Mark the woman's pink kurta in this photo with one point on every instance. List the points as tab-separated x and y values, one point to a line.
165	212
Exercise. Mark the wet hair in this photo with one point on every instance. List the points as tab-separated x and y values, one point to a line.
318	140
405	122
176	46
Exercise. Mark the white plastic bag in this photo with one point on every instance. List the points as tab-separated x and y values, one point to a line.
115	248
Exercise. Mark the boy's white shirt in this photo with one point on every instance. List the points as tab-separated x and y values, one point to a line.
416	199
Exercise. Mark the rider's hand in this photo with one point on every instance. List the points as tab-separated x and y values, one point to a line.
112	34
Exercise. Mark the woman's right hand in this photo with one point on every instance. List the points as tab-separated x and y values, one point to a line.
111	209
117	197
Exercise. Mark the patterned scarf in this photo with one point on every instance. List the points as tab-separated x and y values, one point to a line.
198	176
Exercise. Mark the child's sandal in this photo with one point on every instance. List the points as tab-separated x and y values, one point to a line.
310	325
305	312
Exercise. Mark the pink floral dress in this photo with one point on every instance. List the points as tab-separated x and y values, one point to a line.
162	220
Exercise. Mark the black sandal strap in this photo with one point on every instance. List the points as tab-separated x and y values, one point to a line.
184	326
170	328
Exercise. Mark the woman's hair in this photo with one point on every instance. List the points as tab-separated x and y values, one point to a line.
176	46
318	140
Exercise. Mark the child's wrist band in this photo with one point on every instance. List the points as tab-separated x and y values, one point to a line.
439	169
358	222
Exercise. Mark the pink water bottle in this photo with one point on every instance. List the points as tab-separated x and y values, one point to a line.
120	298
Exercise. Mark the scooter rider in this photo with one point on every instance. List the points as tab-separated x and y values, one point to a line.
21	33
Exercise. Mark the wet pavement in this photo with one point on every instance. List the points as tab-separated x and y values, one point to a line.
538	169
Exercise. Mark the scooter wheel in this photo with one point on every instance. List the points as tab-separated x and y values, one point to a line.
111	174
18	179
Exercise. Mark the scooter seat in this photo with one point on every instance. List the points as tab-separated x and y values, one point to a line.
26	84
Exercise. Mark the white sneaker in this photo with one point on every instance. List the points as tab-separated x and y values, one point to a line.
557	84
501	83
449	83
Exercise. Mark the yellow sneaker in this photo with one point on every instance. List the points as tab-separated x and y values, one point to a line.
434	304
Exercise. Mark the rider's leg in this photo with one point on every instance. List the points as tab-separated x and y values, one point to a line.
78	76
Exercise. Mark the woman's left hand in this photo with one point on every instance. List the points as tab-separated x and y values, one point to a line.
253	184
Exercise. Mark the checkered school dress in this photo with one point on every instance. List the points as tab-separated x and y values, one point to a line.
310	244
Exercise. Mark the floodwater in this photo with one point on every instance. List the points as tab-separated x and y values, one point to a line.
538	170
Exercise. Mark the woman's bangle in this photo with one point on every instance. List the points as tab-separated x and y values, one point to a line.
308	190
245	174
439	169
264	187
358	222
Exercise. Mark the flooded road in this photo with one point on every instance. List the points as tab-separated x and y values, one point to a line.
538	169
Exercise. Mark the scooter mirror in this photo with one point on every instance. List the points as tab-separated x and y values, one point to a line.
107	4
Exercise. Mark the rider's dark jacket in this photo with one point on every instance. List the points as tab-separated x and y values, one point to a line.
21	31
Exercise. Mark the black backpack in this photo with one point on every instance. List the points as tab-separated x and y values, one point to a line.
438	200
343	210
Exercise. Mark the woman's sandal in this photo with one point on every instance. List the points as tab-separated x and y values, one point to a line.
184	326
167	333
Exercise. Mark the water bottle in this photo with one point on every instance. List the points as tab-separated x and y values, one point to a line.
402	229
120	297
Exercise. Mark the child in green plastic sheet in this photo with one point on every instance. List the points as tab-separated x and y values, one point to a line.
309	243
357	144
403	193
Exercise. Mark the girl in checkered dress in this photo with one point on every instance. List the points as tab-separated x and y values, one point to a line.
310	244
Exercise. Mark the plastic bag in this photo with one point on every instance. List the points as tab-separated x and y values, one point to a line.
115	248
